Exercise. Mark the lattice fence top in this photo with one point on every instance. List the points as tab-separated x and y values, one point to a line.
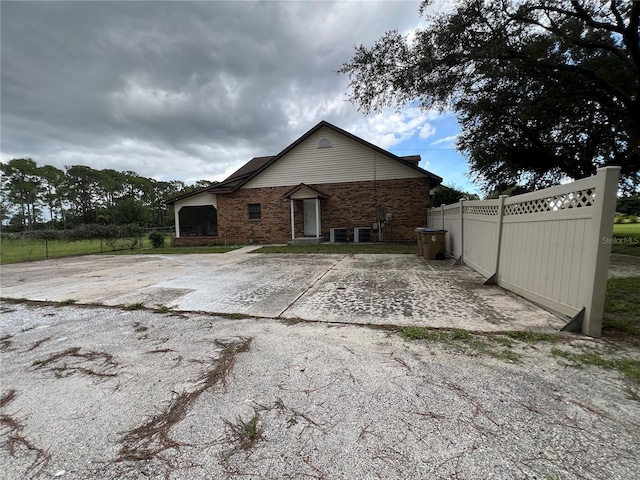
482	209
578	199
435	212
452	211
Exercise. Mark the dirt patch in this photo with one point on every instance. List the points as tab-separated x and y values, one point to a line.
624	266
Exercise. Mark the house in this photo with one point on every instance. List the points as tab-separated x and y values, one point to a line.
328	184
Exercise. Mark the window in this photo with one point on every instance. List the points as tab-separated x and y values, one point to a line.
254	211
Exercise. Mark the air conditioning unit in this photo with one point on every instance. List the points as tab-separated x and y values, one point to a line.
338	235
362	234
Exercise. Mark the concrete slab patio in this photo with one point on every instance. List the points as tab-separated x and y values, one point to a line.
362	289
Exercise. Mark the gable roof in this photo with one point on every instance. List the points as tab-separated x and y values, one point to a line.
257	165
228	184
248	168
305	187
435	179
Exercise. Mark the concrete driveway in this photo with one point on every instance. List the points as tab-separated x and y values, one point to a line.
111	393
361	289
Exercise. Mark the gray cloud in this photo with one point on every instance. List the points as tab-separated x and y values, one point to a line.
177	89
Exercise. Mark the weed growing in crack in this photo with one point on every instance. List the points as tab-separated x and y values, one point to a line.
484	344
458	334
162	309
67	302
463	341
533	337
233	316
245	434
291	321
629	367
134	306
508	355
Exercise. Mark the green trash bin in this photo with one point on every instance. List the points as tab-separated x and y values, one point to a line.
431	245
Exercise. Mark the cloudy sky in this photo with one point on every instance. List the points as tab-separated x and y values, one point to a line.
192	90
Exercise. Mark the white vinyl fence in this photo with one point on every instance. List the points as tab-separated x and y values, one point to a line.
551	246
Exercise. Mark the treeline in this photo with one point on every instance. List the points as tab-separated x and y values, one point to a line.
36	197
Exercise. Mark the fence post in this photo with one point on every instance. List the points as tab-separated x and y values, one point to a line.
442	216
598	249
499	240
460	260
493	279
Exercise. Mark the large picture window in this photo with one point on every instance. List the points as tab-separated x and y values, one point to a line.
255	212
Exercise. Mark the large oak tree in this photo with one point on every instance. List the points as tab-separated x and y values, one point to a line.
543	89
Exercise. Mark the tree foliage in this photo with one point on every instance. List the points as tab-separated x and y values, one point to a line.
21	186
446	195
34	197
543	89
629	204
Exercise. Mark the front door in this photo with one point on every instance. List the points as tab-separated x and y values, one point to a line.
310	220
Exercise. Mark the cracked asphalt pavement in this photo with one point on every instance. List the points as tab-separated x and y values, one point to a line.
104	392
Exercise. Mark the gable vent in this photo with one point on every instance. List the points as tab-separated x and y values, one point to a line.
324	143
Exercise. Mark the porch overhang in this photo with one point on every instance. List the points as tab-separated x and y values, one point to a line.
305	192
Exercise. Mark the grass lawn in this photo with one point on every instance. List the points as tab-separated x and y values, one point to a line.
626	238
622	306
623	229
340	248
23	250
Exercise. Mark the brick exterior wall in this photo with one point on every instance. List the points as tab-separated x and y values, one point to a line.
351	204
194	241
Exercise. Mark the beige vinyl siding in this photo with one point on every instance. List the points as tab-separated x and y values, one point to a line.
203	198
345	161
